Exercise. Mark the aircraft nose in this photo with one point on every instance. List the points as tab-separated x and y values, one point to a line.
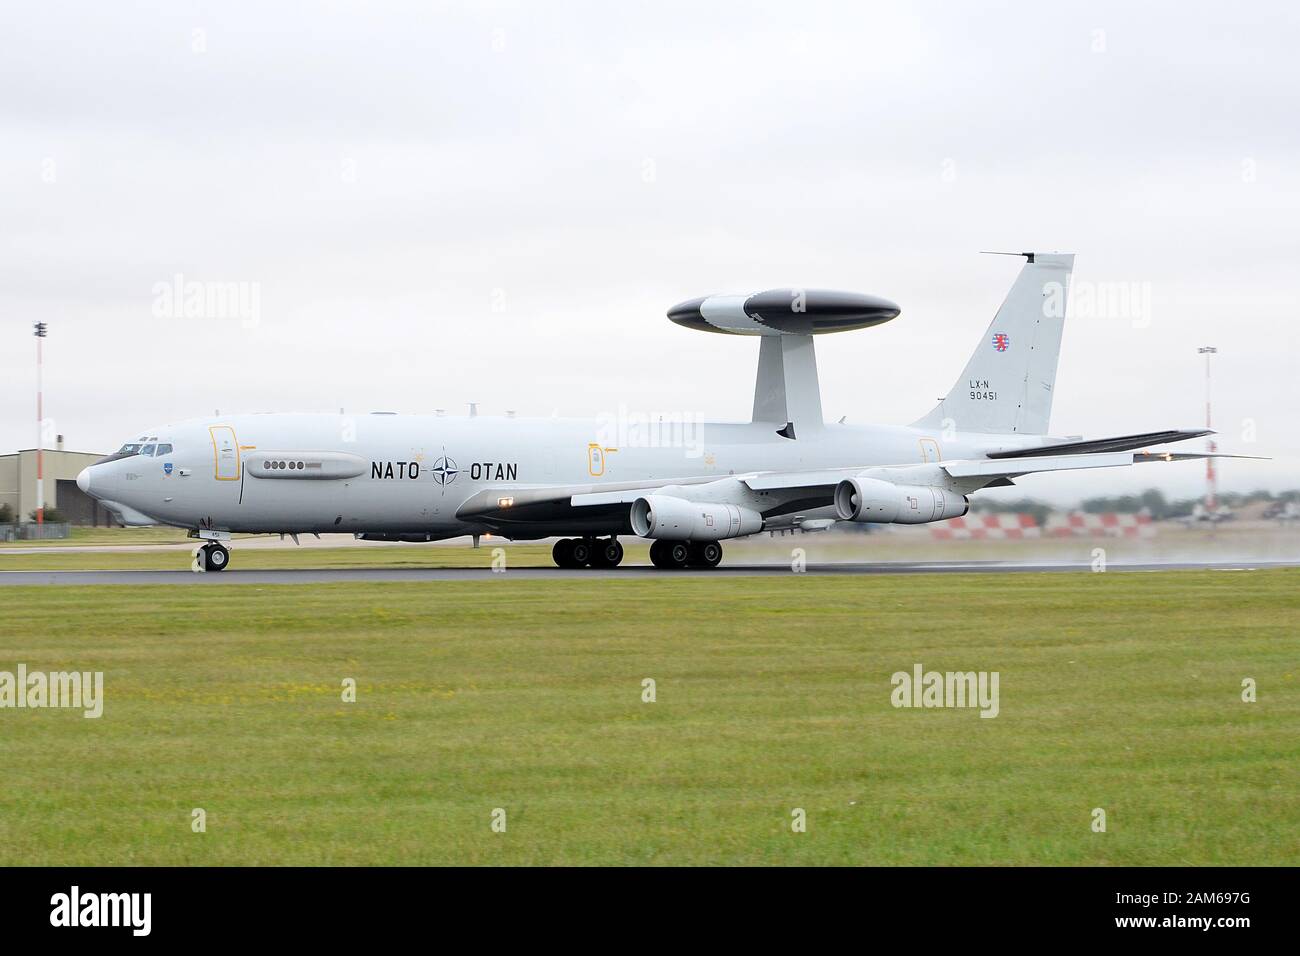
83	480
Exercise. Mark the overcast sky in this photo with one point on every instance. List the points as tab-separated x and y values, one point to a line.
440	203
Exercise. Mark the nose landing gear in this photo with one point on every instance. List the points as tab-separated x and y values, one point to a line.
213	556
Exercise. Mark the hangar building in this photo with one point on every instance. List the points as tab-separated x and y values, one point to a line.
18	485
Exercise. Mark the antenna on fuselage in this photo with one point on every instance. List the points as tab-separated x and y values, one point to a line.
787	392
473	409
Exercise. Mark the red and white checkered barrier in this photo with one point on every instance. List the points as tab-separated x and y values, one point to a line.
1077	524
986	526
1107	524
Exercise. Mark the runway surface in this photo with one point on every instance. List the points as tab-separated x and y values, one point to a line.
354	575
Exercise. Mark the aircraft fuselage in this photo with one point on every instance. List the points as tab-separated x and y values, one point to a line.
411	474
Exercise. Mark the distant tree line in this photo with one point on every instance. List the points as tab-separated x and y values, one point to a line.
1151	501
1038	509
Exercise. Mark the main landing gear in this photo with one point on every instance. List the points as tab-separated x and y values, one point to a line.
608	553
587	553
213	556
673	555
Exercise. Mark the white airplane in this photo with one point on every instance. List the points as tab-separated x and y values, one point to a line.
1283	512
424	477
1201	514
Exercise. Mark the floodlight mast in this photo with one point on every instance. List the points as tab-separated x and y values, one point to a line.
40	331
1211	493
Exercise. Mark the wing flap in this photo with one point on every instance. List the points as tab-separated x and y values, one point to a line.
1011	467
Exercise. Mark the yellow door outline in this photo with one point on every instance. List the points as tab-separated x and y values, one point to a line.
930	450
225	452
596	458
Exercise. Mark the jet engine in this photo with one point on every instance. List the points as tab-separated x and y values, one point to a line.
676	519
870	499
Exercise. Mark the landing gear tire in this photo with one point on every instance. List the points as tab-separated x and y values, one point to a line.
214	557
705	554
607	554
581	550
572	552
670	555
562	553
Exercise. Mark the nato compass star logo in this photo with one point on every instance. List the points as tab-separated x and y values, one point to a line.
445	471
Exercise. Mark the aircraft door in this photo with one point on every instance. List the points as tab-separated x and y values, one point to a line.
225	453
930	450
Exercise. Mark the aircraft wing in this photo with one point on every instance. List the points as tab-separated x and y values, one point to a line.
781	498
535	511
1118	443
980	471
971	474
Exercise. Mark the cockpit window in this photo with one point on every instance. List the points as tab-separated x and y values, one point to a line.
148	450
163	450
130	448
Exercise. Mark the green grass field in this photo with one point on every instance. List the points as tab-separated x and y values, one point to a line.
1235	544
82	537
260	559
1119	691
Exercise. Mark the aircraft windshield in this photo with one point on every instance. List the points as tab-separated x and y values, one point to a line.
145	445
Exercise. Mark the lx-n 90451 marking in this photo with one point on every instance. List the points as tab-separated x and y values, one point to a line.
396	477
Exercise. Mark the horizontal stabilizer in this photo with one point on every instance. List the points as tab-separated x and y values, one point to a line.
1099	445
1186	456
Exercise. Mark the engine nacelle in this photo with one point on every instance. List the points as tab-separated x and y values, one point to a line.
676	519
870	499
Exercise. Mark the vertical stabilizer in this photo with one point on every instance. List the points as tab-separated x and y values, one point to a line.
1007	385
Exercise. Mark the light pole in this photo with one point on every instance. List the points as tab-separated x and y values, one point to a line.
1211	500
40	430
